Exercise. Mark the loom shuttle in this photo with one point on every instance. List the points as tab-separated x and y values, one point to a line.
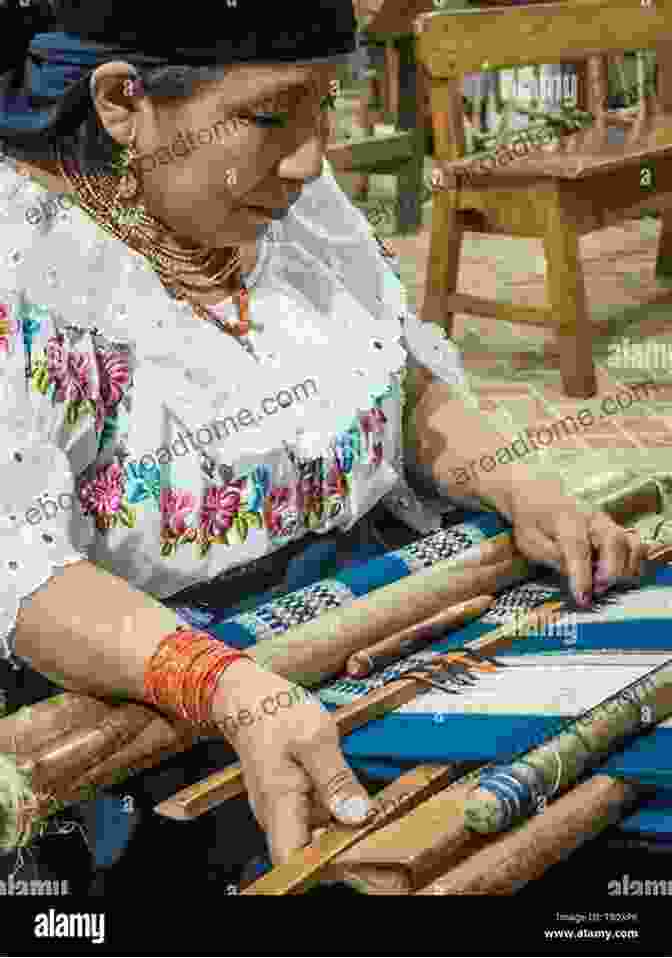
416	637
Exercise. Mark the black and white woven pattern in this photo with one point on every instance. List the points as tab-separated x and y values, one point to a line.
294	609
517	601
445	544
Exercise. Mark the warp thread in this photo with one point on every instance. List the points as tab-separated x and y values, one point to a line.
518	788
16	800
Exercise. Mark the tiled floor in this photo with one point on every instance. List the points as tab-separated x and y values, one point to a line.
510	370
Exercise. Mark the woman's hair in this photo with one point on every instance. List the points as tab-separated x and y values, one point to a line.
90	145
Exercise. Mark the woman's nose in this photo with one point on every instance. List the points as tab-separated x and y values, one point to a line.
305	163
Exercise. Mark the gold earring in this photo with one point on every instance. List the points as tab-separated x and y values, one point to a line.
129	186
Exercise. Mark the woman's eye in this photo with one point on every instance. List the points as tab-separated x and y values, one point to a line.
270	119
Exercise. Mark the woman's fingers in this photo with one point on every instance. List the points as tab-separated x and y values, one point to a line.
334	781
620	553
288	824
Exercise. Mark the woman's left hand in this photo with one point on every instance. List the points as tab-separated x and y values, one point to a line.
555	529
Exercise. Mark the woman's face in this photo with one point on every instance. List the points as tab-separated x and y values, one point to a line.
208	160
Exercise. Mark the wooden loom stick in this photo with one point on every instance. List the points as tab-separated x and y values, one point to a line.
460	839
199	798
69	731
318	649
431	840
511	860
417	637
32	728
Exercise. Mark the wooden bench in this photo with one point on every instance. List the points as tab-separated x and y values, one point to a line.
581	183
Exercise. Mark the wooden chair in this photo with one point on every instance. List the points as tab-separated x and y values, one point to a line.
401	153
582	183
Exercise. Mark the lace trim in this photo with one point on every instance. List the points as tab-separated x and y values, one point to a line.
8	636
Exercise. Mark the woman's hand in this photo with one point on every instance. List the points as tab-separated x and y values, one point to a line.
288	745
555	529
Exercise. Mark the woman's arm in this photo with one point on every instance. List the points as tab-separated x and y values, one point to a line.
456	446
92	632
452	445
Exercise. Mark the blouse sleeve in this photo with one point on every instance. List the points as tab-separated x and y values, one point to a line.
426	343
40	530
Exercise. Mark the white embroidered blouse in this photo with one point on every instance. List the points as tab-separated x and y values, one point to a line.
142	438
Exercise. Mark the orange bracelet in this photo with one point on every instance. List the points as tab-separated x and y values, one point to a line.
182	675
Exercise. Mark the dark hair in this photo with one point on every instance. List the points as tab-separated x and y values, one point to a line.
90	145
76	131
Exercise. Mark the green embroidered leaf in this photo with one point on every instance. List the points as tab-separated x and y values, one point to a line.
237	534
167	549
204	548
41	377
127	516
72	409
253	519
109	429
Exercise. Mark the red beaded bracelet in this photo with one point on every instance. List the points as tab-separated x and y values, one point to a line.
183	673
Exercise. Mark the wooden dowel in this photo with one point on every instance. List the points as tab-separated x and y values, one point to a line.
414	638
517	857
318	649
302	871
212	791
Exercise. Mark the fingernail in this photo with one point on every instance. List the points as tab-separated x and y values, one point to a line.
584	599
352	810
601	577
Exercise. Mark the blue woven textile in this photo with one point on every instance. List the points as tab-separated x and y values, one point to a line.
320	578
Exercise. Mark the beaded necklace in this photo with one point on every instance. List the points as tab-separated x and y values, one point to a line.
184	271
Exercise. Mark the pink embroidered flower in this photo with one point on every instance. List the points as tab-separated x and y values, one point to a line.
280	514
76	384
8	328
69	371
377	454
373	421
336	482
308	494
176	508
102	496
219	508
57	359
114	375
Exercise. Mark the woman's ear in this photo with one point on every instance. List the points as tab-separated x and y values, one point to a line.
116	110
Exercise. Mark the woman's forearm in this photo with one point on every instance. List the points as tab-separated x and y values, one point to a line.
458	448
92	632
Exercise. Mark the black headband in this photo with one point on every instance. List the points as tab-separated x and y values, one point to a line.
146	34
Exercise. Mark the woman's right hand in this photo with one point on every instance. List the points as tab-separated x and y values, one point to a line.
295	773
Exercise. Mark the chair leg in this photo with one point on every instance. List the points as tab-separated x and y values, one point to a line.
443	267
362	182
567	299
410	193
664	258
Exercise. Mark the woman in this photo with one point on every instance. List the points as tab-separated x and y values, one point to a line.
127	331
